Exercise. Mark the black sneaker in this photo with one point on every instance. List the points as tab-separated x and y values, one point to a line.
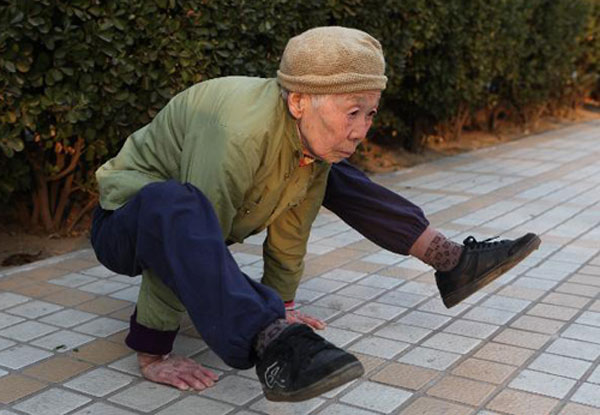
299	364
481	263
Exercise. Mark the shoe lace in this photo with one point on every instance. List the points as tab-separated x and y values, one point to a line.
473	244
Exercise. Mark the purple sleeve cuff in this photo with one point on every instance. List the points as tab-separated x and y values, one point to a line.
146	340
384	217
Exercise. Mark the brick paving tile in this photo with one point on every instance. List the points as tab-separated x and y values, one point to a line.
582	332
521	292
8	300
587	394
566	300
537	324
344	275
19	356
234	390
341	409
379	347
577	409
560	365
124	314
542	383
38	289
101	408
591	270
590	318
192	404
431	406
14	387
363	266
40	274
405	376
99	382
521	403
118	337
357	322
128	365
553	311
382	311
578	289
585	279
284	408
575	348
430	358
377	397
57	369
62	341
101	352
101	327
52	402
484	370
504	353
522	338
68	318
361	291
400	272
145	396
461	390
11	283
34	308
69	297
370	363
471	329
451	343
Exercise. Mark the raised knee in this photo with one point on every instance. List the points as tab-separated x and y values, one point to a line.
166	191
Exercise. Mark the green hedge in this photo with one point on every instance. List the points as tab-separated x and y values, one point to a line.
77	77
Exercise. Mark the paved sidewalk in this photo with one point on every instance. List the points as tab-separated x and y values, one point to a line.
529	344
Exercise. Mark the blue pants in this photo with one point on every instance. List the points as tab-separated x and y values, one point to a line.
171	228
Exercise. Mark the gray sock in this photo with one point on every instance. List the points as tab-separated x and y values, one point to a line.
269	334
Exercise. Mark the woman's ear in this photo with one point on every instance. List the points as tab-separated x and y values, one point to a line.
295	104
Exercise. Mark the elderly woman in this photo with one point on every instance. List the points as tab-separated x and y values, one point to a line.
230	157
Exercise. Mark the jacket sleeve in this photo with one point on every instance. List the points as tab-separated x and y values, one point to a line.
285	246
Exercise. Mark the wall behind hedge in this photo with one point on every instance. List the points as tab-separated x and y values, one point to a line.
95	71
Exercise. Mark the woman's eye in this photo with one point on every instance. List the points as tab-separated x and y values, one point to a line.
353	114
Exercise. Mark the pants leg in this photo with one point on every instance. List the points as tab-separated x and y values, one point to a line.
171	229
384	217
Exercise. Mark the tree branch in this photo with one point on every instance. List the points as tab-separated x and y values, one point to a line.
74	160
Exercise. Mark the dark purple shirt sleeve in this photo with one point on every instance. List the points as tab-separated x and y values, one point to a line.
380	215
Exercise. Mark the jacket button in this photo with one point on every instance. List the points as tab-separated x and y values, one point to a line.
246	211
286	176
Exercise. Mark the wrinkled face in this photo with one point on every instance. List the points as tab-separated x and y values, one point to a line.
332	126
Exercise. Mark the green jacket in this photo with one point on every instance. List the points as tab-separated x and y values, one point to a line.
233	139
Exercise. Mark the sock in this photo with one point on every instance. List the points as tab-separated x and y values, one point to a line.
269	334
434	249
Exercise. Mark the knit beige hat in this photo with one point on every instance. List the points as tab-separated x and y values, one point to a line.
332	60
